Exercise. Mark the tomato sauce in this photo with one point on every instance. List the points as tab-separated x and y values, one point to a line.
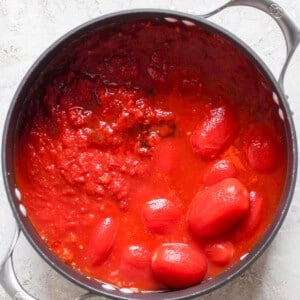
155	157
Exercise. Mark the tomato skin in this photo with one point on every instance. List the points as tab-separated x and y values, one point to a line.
262	151
216	209
220	170
213	134
252	220
220	253
178	265
102	241
160	215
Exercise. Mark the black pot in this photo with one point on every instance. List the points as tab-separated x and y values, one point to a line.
22	96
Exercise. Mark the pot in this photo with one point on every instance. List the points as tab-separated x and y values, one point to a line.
292	37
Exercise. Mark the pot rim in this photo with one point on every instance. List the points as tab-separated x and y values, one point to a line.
289	187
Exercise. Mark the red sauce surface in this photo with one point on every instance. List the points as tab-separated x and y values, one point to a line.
120	145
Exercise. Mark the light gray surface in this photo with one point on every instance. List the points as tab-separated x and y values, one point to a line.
28	27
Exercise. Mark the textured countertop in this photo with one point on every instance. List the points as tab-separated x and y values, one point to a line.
28	27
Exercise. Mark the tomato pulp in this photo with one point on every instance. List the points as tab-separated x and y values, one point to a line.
155	157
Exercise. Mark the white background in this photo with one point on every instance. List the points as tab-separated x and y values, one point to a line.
28	27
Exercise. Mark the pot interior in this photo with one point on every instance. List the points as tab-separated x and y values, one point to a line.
65	53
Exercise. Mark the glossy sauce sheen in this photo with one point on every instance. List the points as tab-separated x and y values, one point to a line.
144	124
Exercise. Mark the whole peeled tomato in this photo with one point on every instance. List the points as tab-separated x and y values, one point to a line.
178	265
214	133
253	219
160	215
220	170
261	150
136	262
102	241
217	208
220	253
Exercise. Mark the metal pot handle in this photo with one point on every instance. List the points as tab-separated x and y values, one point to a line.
289	29
9	280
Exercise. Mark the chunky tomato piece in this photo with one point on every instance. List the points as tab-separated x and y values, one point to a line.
216	209
218	171
102	241
78	117
262	150
213	134
220	253
178	265
254	217
160	215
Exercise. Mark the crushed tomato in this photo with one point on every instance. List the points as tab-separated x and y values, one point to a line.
139	121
